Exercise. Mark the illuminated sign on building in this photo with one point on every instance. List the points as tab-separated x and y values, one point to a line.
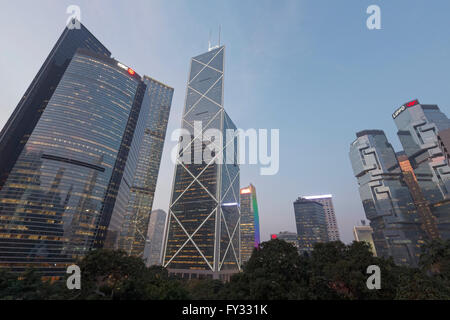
246	191
124	67
403	107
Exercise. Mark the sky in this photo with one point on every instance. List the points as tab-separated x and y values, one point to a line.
310	68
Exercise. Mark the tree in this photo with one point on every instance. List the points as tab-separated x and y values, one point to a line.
107	274
274	271
27	286
435	259
344	268
204	289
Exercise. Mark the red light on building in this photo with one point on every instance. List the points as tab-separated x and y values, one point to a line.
131	71
273	236
412	103
246	191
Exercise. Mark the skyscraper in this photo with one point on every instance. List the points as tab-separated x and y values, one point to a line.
311	223
364	233
289	237
249	222
444	143
23	120
330	216
62	196
427	219
139	183
155	237
204	215
418	128
385	197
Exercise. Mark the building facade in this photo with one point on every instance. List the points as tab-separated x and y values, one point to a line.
364	232
67	190
289	237
386	198
330	216
203	234
419	126
444	143
30	108
156	227
139	182
311	223
250	237
427	219
58	199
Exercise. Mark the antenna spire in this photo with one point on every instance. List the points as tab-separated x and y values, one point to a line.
209	41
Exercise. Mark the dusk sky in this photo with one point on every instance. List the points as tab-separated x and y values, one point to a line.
309	68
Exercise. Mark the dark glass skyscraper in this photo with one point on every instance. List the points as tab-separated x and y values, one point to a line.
386	198
139	182
427	219
419	126
444	143
203	225
249	222
20	125
311	223
154	244
66	189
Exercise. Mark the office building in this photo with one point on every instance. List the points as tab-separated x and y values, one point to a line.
330	216
139	183
289	237
204	215
364	232
311	223
419	126
444	143
62	196
156	227
249	222
31	106
386	199
427	219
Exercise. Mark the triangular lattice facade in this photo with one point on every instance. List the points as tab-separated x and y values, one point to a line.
204	215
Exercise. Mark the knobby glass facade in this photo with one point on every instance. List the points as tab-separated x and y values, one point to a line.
133	212
428	220
419	126
386	198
